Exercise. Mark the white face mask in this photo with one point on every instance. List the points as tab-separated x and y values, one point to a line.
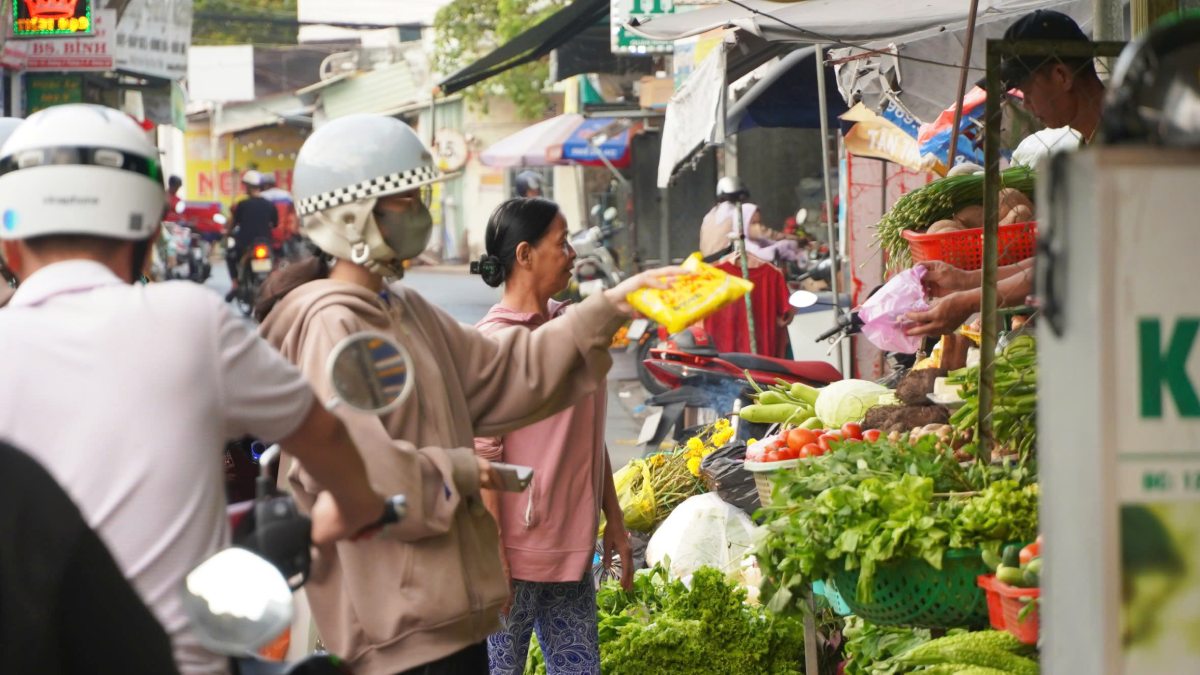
406	232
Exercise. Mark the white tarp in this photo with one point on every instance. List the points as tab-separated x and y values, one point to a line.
369	12
695	115
832	21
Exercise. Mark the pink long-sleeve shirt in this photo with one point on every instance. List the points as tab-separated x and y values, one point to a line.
549	531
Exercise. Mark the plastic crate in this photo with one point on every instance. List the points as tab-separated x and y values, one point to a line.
914	593
1005	604
831	595
964	248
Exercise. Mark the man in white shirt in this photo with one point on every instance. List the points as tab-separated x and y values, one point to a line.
127	393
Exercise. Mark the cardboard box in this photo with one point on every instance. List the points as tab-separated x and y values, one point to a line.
655	92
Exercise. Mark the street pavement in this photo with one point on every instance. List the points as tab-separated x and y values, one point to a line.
466	298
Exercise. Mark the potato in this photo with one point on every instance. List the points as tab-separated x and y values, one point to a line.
1011	198
944	226
1019	214
971	217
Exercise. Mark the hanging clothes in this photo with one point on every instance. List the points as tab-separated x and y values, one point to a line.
727	327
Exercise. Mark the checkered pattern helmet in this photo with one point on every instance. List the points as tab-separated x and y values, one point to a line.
343	168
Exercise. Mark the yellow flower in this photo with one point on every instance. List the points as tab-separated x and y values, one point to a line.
722	437
696	445
721	424
693	465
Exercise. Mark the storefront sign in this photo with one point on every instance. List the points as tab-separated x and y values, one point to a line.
42	18
153	38
271	150
94	52
625	41
43	91
874	136
450	150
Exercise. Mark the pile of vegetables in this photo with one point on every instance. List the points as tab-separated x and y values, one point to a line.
951	203
1014	406
801	443
665	626
987	652
866	504
1019	566
799	404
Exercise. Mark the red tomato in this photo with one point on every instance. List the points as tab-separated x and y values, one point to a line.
811	450
1030	552
872	435
789	453
798	438
824	441
852	430
803	453
772	456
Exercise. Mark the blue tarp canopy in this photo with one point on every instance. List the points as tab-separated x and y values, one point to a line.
614	139
786	96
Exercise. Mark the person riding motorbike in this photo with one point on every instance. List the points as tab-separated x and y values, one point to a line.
720	223
254	220
425	599
125	392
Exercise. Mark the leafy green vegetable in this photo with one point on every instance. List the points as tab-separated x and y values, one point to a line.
663	626
870	649
847	401
1004	512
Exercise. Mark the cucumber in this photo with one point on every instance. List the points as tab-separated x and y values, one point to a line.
1010	575
1012	556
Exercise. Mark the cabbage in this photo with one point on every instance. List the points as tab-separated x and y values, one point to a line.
847	401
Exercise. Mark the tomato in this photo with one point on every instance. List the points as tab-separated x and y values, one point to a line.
1029	553
772	456
803	453
789	453
852	430
824	441
811	450
872	435
798	438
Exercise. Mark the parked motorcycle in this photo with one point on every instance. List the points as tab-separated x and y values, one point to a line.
596	265
239	600
703	383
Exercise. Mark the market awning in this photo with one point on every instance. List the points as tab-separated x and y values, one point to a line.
786	96
531	45
566	139
532	145
832	21
599	136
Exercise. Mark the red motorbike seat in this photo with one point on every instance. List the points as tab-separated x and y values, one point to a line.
812	371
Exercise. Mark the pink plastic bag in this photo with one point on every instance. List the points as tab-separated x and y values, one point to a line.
883	313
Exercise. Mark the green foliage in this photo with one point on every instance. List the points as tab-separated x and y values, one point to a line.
234	22
466	30
662	626
870	649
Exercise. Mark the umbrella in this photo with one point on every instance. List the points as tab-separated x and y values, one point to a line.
566	139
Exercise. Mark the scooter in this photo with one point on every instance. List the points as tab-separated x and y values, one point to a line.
254	268
703	383
240	600
596	264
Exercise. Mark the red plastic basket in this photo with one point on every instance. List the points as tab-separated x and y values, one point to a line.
1005	604
964	248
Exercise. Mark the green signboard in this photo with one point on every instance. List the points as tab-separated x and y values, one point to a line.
43	91
625	41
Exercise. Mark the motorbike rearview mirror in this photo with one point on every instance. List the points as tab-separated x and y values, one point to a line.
802	216
802	299
370	373
220	219
237	602
610	214
180	207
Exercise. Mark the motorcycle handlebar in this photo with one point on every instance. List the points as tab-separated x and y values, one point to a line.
849	325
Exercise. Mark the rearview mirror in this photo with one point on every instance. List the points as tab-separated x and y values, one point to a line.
370	372
802	299
220	219
180	207
237	602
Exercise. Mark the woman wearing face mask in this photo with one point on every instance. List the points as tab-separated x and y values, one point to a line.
424	596
548	532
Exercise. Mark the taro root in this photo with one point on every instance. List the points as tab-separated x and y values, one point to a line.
917	384
904	418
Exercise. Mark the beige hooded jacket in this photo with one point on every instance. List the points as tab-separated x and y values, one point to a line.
432	584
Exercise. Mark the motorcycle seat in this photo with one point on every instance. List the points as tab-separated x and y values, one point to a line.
813	371
699	351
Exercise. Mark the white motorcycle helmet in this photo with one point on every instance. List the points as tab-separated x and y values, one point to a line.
343	169
80	169
253	179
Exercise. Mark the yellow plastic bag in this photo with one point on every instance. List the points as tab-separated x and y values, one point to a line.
690	298
636	495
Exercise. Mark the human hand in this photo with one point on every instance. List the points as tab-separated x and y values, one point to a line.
334	520
616	540
655	278
945	315
942	279
489	478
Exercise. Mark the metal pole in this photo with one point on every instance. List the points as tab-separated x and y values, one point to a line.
991	237
962	84
823	106
740	245
812	665
1109	20
214	150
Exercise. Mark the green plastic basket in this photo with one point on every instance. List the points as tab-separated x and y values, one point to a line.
913	593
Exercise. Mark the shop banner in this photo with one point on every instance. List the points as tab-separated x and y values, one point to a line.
87	53
153	38
874	136
625	41
44	91
935	137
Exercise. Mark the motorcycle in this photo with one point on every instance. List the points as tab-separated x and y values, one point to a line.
240	600
702	383
596	264
255	266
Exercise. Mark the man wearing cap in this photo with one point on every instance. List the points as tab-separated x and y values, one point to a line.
1059	92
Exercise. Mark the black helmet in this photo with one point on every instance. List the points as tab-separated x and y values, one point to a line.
526	181
1155	95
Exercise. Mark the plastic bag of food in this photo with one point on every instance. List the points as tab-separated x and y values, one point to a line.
636	495
724	472
692	297
703	531
883	313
